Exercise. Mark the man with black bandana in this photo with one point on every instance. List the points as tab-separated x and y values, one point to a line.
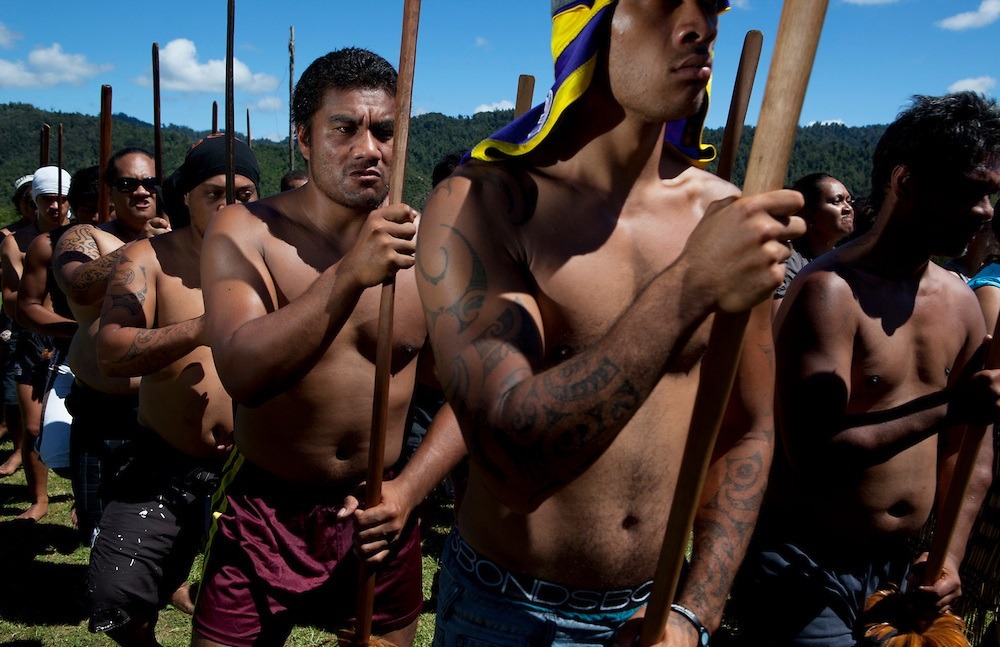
152	325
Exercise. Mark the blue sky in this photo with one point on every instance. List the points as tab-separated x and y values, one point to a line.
56	54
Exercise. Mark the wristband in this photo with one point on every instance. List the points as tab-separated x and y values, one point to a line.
703	634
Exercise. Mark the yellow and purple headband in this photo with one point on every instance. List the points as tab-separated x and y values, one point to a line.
577	39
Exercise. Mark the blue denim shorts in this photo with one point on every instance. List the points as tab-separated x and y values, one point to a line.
469	614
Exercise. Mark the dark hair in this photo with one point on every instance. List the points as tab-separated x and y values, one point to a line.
954	132
809	186
445	167
111	171
84	186
287	178
346	69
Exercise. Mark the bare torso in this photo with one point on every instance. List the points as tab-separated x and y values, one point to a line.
588	263
184	402
318	430
907	337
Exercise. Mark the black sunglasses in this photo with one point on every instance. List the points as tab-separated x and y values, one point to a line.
130	184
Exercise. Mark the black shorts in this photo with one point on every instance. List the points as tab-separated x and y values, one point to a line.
32	355
149	533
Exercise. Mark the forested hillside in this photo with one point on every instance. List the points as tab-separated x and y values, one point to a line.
839	150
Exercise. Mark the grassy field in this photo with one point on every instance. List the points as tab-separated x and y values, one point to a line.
45	573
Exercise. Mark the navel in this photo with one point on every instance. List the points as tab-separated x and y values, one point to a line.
873	380
630	522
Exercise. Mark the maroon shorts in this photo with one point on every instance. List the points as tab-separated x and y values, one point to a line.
278	556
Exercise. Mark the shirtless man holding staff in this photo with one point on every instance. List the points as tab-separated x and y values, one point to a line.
292	290
569	294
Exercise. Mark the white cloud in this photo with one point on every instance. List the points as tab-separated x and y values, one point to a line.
988	12
826	122
492	107
870	2
274	137
7	37
416	112
48	67
181	71
981	84
271	104
482	42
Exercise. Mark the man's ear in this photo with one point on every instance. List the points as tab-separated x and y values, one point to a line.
302	139
901	180
186	199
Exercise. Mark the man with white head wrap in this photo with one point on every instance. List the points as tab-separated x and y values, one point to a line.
32	351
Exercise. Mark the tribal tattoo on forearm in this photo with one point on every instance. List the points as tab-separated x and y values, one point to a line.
153	349
552	428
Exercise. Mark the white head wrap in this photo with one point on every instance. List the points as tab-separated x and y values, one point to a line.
46	181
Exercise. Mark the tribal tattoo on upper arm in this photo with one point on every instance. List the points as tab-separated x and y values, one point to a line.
121	291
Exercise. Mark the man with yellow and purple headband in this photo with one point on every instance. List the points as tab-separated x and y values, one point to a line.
569	274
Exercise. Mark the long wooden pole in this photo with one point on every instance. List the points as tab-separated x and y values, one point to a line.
104	154
59	164
291	94
794	51
43	146
230	108
525	91
742	89
383	351
157	128
249	137
215	117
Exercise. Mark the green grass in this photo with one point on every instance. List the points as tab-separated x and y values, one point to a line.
45	573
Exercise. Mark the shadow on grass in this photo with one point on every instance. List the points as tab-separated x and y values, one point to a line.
38	592
22	643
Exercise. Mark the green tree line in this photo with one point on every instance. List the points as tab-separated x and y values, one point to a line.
842	151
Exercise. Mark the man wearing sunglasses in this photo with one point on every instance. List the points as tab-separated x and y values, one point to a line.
104	408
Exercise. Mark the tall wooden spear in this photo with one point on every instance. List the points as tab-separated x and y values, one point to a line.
215	117
525	90
249	138
43	146
59	164
291	93
230	111
383	352
794	51
104	154
157	129
742	89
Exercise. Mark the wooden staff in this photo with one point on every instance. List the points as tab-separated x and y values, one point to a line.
889	620
291	93
104	154
383	352
525	91
157	130
59	186
738	107
230	111
215	117
249	138
794	50
43	146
